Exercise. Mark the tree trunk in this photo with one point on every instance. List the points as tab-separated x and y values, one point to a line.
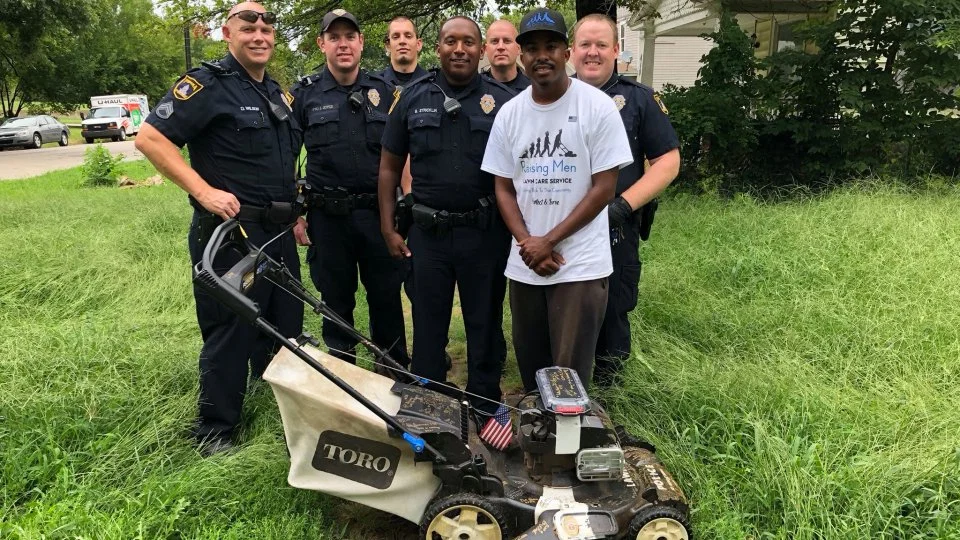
606	7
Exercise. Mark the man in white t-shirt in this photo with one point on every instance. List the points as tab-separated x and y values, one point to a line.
555	150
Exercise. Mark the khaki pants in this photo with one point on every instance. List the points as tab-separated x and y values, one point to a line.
557	325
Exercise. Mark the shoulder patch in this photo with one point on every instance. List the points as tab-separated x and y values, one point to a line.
164	110
186	88
656	97
287	98
396	97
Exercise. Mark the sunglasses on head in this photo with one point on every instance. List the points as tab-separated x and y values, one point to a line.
251	16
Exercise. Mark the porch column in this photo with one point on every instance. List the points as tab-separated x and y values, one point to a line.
649	50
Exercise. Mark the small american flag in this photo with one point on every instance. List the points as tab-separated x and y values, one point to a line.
498	431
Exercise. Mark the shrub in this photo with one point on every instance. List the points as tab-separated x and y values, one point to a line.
100	168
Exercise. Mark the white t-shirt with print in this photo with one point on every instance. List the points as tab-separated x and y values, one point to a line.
551	152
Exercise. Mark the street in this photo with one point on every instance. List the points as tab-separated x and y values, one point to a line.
27	163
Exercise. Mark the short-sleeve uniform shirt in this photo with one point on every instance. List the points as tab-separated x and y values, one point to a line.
446	148
343	136
648	127
236	144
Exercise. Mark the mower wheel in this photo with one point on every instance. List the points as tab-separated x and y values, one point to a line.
659	523
464	516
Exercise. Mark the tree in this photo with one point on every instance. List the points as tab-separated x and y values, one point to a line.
23	25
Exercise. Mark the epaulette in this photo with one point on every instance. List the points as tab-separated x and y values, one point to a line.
632	82
215	67
307	80
429	76
378	76
505	88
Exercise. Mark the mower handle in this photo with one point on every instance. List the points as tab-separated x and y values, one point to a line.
228	289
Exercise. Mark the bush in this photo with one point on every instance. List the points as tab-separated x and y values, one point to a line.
100	168
867	94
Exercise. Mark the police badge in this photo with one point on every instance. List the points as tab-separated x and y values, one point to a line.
374	97
487	103
619	101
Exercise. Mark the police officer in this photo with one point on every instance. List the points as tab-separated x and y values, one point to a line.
343	110
403	47
502	51
237	124
594	56
458	239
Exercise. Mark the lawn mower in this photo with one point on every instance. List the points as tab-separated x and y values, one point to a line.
409	446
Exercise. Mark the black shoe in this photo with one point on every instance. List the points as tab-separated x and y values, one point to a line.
215	445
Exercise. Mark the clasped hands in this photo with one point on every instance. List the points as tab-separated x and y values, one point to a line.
538	254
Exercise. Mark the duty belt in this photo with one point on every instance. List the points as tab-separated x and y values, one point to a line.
340	202
441	221
275	213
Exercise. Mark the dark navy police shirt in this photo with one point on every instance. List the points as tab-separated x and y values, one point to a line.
235	143
342	138
446	150
518	84
648	127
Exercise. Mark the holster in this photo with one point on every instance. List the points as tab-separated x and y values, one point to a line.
404	214
206	224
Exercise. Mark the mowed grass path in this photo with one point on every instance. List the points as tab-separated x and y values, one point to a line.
796	364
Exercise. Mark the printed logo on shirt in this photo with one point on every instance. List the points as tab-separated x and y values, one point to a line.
543	147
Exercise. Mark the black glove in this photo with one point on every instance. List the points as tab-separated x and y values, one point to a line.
619	212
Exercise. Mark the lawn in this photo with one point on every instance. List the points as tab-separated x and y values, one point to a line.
796	364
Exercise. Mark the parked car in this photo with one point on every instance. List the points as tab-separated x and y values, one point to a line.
33	131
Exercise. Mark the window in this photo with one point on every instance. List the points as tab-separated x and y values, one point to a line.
623	37
785	37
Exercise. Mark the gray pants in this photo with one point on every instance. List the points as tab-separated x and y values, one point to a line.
557	325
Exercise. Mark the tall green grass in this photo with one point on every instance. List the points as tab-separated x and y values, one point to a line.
796	365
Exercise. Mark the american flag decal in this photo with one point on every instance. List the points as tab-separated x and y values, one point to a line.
498	431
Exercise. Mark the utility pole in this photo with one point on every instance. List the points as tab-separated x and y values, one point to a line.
186	46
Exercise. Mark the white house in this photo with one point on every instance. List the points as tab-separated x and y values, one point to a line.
668	48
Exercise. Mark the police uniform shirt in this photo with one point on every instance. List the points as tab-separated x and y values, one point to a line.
402	79
518	84
648	127
446	149
235	144
343	138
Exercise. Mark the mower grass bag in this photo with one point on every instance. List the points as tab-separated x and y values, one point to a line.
338	446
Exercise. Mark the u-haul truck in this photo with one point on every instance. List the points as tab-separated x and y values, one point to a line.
114	117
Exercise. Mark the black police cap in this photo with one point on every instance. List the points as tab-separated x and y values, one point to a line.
336	15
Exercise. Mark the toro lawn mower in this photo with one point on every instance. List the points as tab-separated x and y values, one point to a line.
409	446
